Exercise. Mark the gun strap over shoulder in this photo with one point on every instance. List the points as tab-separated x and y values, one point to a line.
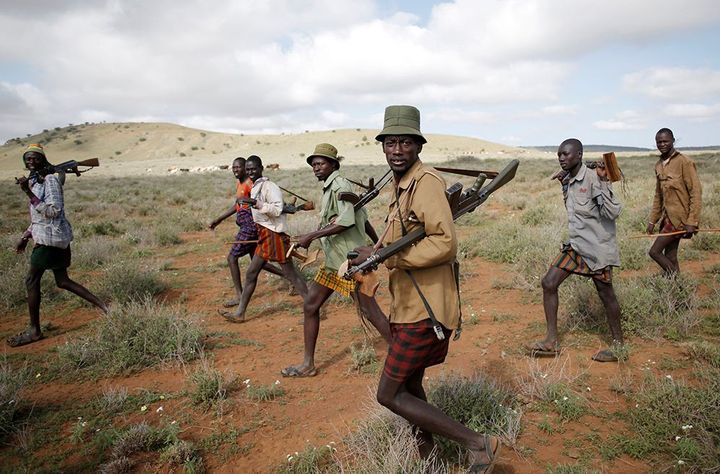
436	325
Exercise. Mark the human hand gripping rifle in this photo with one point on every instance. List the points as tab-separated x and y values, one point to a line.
71	166
460	204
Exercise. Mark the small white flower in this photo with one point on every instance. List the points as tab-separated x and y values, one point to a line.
669	377
162	397
637	405
246	381
677	438
681	462
277	382
38	375
83	424
79	417
11	402
543	376
173	422
143	408
687	427
588	389
159	409
565	399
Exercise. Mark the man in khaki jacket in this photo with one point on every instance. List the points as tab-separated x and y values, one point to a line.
420	202
677	203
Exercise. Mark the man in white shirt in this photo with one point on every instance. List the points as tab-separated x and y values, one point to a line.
273	241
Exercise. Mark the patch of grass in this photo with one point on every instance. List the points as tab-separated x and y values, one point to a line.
566	402
706	352
134	336
678	422
363	358
568	469
263	393
12	382
308	461
479	403
128	281
209	386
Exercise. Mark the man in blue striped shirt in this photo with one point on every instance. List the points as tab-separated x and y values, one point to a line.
52	234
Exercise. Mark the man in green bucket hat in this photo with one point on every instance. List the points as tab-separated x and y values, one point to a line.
342	228
424	308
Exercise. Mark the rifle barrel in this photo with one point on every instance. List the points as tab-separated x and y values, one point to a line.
292	193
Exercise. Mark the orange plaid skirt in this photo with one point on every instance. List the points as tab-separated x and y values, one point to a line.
330	279
272	246
571	261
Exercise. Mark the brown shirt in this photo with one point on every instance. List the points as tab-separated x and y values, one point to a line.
678	193
421	194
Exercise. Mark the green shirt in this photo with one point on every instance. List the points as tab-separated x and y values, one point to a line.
341	213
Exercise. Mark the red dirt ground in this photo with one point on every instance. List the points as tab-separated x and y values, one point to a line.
322	409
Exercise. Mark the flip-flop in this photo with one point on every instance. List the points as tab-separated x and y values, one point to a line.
538	350
605	355
229	317
230	303
293	371
22	339
483	468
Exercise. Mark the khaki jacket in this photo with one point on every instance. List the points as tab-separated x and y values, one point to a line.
678	193
422	202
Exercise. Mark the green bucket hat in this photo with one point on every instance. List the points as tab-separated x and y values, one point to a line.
325	150
401	120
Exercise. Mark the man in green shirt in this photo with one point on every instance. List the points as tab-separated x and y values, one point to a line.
341	230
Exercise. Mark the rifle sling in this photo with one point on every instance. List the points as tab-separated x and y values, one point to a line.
436	325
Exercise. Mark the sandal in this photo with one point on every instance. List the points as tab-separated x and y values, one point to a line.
539	350
293	371
605	355
22	338
492	454
230	317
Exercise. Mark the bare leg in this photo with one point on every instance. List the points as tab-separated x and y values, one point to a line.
233	263
62	280
32	282
612	309
664	252
398	398
251	276
372	312
274	269
550	284
291	273
317	296
424	438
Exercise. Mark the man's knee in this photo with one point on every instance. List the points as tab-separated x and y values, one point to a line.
232	259
548	283
385	400
31	281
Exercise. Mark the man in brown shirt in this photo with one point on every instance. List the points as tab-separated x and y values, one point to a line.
425	267
677	203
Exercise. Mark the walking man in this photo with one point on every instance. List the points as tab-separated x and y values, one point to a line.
592	250
273	242
421	273
341	230
246	237
677	202
52	234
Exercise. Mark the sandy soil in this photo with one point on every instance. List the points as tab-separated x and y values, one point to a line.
322	409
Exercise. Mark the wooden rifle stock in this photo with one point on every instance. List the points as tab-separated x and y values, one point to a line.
464	203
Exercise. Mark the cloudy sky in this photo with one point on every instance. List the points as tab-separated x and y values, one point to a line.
521	72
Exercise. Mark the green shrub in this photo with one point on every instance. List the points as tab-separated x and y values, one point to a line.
477	402
132	337
96	251
263	393
363	358
12	382
126	281
679	422
308	461
208	385
166	235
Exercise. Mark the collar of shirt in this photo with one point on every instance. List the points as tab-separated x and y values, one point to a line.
580	174
409	176
260	180
330	179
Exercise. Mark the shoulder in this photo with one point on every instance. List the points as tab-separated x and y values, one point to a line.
340	184
52	181
429	175
685	160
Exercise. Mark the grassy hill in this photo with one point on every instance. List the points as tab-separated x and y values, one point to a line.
152	148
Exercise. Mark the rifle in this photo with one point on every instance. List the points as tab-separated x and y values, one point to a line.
372	192
67	167
460	204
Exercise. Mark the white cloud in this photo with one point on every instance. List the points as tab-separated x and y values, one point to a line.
626	120
675	83
693	111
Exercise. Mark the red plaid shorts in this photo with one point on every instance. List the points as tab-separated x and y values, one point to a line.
414	346
272	246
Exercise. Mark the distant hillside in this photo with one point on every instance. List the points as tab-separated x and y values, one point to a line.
142	148
591	148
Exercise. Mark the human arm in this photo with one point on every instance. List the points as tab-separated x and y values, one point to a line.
332	229
22	243
269	200
370	231
430	206
694	189
607	203
222	217
657	207
53	202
